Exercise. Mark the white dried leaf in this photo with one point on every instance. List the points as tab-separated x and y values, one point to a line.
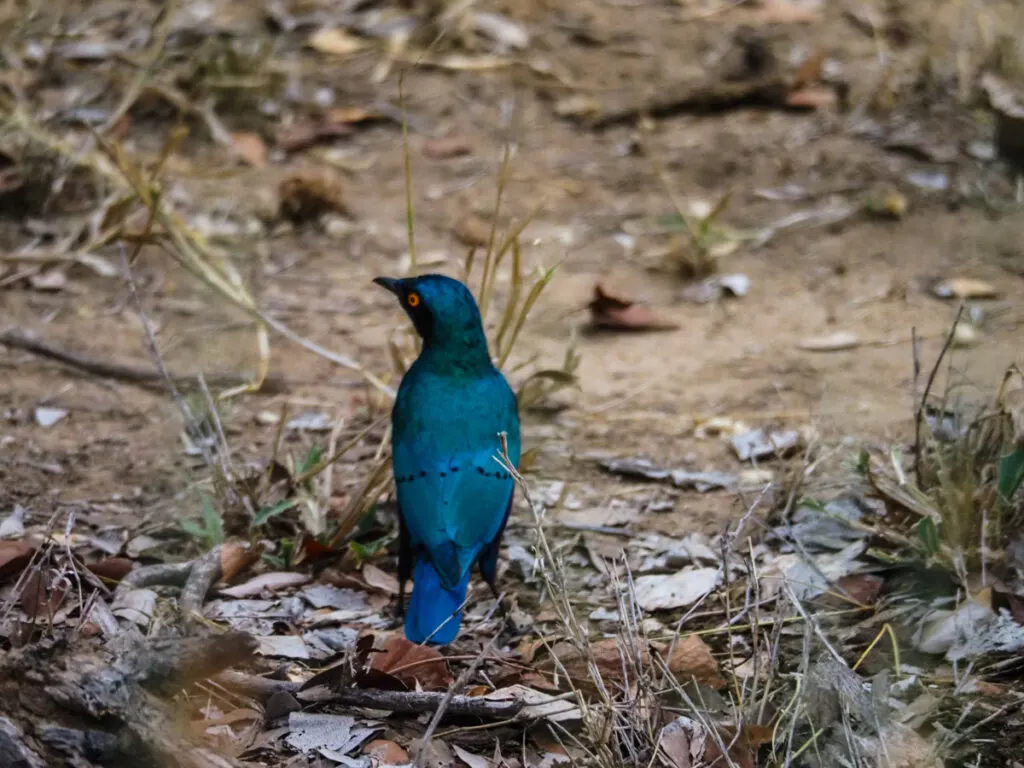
47	417
308	732
13	527
659	593
286	646
537	705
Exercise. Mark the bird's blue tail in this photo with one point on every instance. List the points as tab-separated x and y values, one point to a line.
432	606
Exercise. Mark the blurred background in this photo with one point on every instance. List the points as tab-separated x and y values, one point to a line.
730	253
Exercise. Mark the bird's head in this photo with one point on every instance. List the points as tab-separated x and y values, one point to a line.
443	311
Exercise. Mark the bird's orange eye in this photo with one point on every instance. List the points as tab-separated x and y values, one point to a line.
413	299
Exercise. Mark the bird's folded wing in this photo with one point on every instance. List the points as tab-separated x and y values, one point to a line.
452	508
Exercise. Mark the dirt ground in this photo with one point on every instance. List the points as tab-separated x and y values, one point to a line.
640	394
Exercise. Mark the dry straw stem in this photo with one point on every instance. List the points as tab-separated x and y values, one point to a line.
190	249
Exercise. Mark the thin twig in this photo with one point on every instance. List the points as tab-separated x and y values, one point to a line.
449	695
129	374
919	415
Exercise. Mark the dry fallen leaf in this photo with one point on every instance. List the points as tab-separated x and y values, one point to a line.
43	592
615	313
409	664
471	760
249	147
384	752
964	288
335	42
833	342
308	194
14	555
473	230
379	579
659	593
111	569
306	133
812	97
675	743
237	556
606	654
691	658
446	147
267	582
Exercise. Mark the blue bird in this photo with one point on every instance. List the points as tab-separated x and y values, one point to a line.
454	497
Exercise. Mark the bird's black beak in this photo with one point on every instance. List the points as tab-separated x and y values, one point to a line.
393	284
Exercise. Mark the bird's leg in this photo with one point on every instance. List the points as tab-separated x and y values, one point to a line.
405	558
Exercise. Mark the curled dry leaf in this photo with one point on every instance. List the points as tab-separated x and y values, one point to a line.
833	342
267	582
812	97
446	147
384	752
335	42
249	147
612	312
111	569
43	592
309	194
397	660
378	579
964	288
14	556
606	653
473	230
237	556
691	658
306	133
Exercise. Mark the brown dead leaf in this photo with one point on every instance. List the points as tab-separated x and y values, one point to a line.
299	136
308	194
742	747
611	312
250	147
812	97
379	579
809	70
691	658
473	230
409	664
237	556
43	593
862	587
14	556
606	654
385	752
111	569
351	115
446	147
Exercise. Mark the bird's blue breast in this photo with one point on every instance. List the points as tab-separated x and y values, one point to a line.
452	491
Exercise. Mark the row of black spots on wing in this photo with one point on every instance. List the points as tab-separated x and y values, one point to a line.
498	473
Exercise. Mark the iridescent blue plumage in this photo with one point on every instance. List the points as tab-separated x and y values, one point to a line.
453	495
